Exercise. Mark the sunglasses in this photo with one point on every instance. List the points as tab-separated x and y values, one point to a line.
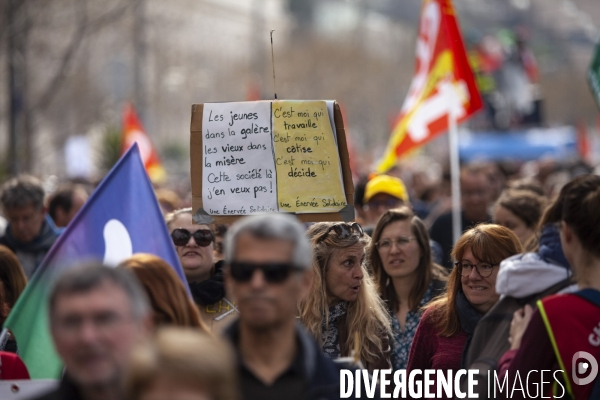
181	237
344	230
273	272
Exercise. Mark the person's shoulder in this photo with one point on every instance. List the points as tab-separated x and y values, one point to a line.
4	241
427	324
427	316
56	394
322	373
443	219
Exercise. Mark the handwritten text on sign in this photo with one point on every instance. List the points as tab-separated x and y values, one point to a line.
238	171
306	157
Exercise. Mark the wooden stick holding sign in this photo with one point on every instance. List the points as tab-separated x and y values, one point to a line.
270	156
273	63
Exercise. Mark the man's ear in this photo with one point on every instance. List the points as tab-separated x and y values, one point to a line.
148	324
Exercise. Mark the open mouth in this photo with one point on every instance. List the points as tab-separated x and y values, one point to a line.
478	288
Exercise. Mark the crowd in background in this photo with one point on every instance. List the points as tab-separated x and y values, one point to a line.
274	308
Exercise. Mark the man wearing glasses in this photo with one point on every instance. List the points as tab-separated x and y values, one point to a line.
268	273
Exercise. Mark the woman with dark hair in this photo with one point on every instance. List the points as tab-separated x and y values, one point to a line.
170	301
563	329
522	279
520	211
443	335
343	308
12	284
405	275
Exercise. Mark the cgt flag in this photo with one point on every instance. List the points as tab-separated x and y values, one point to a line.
133	132
443	85
593	75
121	217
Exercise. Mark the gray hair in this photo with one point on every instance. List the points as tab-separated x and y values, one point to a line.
21	191
91	275
272	226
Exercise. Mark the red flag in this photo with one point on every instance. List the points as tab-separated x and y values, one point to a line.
443	84
134	132
583	144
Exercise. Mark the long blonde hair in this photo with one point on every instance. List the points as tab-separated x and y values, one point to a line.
366	316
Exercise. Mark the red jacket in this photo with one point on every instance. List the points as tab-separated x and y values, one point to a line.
12	367
431	351
570	324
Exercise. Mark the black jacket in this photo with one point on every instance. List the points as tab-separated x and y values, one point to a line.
65	391
323	375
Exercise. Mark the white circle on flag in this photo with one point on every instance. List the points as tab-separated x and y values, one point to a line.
117	243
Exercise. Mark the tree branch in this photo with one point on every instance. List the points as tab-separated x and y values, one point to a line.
83	28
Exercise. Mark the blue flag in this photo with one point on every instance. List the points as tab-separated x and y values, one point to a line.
121	217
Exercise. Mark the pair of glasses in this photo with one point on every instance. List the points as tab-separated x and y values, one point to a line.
344	230
202	237
484	270
273	272
400	242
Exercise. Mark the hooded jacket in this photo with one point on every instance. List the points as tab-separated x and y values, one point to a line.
526	274
522	279
31	254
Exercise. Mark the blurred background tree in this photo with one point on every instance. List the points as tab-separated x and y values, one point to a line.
68	66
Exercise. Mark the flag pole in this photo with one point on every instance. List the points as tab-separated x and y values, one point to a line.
3	334
455	177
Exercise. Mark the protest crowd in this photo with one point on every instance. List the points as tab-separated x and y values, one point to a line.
287	265
274	308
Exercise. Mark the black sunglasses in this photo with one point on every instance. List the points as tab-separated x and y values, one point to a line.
343	230
181	237
273	272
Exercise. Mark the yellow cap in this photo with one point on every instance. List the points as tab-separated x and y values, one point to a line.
386	184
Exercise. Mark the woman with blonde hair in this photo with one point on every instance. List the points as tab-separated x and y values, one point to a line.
443	335
343	307
182	364
406	276
170	301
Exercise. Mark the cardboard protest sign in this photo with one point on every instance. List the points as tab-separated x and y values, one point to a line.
270	156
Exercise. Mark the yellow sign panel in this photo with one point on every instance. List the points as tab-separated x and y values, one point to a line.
306	158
